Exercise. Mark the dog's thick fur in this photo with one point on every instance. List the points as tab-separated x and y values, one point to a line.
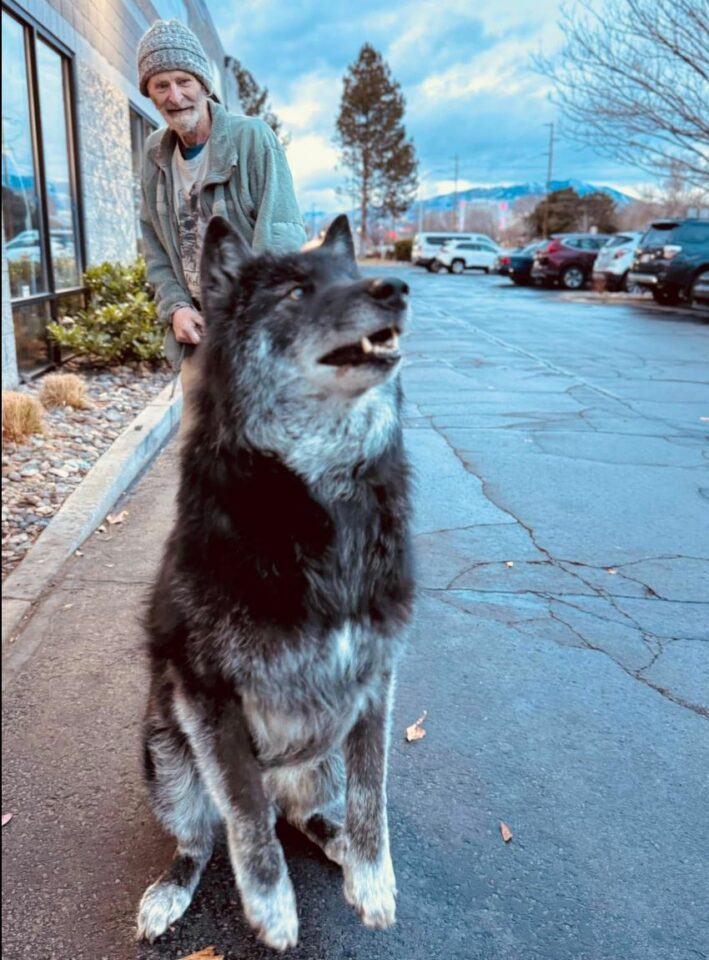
276	619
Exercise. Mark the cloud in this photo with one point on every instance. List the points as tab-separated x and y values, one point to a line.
311	103
464	70
311	158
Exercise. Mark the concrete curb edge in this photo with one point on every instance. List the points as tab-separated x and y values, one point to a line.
86	507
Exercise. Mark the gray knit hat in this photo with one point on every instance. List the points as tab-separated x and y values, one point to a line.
170	45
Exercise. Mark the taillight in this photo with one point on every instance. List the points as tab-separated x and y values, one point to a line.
670	250
505	260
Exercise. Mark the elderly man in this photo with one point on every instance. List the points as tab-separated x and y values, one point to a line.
206	162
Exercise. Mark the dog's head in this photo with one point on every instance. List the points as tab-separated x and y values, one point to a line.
308	319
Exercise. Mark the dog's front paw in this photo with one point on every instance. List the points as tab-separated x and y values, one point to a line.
371	889
162	904
272	913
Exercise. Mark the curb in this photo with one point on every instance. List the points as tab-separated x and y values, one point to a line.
86	507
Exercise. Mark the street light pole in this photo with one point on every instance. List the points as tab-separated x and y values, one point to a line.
549	166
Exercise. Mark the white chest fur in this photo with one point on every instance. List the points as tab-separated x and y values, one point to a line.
319	700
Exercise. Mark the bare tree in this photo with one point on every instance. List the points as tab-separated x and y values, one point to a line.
632	82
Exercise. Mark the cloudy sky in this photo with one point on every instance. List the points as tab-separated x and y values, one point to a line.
463	68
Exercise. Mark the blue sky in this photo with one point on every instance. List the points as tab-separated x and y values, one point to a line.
463	68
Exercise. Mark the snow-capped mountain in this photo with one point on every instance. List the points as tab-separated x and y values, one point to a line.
512	192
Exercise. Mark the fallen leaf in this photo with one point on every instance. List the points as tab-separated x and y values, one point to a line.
506	832
6	818
101	528
114	518
416	731
79	553
612	570
207	954
67	606
509	563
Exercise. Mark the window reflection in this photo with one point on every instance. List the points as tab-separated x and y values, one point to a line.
20	201
31	321
60	202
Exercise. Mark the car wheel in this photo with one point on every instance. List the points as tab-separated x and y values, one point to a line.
573	278
668	297
699	291
457	266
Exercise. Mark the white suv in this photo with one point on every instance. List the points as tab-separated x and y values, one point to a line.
610	268
467	255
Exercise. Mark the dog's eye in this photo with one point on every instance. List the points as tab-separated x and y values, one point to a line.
297	293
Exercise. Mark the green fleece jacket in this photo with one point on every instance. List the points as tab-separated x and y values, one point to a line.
249	183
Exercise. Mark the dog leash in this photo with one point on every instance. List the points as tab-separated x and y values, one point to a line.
177	371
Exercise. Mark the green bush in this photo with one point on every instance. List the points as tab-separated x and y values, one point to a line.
402	249
120	323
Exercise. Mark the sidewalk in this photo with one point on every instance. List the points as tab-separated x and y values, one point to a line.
547	708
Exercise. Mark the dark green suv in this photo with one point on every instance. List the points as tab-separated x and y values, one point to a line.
672	260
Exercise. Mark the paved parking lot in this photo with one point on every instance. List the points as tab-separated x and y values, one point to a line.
560	649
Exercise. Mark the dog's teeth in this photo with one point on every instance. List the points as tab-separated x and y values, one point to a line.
367	345
394	342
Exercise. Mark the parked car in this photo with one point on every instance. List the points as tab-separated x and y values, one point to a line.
520	266
610	270
672	259
427	245
700	288
502	262
568	259
466	255
26	245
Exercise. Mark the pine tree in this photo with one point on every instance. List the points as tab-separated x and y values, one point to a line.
372	138
254	99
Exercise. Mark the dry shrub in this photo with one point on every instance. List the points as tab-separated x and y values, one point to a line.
64	389
22	416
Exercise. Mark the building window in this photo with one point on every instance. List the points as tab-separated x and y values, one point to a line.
41	222
140	130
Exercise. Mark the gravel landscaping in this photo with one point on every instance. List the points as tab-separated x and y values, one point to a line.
39	474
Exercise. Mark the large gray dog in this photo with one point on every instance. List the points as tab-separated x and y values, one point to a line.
276	619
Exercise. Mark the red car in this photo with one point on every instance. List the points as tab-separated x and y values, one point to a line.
568	259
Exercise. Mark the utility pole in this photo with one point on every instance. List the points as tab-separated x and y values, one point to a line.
550	157
455	192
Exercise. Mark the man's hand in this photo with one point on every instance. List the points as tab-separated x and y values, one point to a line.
188	325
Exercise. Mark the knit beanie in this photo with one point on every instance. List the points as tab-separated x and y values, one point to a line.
170	45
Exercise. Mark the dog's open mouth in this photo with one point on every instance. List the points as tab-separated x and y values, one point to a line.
381	347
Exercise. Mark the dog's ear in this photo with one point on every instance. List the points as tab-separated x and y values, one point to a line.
224	250
338	238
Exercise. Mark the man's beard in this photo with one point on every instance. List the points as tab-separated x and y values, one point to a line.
184	121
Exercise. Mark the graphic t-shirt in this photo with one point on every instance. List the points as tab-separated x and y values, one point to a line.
188	172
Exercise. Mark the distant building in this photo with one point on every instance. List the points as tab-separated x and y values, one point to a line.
73	128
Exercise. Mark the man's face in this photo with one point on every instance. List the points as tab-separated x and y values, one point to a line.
180	98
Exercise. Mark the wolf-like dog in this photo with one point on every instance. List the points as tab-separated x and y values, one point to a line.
278	613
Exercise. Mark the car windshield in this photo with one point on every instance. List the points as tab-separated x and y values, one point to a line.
660	234
617	241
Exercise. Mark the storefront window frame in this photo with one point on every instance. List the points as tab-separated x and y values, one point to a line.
32	31
148	126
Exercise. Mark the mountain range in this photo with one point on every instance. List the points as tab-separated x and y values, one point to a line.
512	192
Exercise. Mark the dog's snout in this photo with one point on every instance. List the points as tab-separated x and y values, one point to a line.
391	292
